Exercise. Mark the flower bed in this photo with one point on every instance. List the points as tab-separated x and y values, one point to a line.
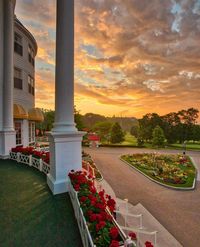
174	170
97	209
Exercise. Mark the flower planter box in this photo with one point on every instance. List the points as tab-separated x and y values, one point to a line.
31	161
83	225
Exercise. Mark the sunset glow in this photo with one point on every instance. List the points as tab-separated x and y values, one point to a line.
132	57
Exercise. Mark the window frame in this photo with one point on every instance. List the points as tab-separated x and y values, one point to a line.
31	132
18	80
31	85
19	135
18	44
31	57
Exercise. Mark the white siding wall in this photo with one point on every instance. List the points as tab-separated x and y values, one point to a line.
23	97
1	64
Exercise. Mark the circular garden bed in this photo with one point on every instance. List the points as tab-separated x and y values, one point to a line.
175	171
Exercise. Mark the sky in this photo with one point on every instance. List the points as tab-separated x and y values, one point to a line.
132	57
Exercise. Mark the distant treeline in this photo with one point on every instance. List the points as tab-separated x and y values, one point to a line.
177	126
87	121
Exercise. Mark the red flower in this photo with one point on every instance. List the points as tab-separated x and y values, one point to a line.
148	244
100	225
93	217
111	204
93	190
77	187
83	198
114	243
100	206
114	232
132	235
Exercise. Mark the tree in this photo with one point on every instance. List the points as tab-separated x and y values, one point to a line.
49	116
158	137
103	130
90	119
148	123
135	130
78	118
117	135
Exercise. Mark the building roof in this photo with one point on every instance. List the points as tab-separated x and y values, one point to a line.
26	32
93	137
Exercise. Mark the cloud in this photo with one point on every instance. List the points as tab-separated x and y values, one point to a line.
131	56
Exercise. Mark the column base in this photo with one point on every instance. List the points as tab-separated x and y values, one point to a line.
7	141
57	186
65	155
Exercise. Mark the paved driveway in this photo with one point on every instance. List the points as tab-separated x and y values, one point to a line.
177	211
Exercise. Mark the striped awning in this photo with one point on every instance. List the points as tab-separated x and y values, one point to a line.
19	112
35	114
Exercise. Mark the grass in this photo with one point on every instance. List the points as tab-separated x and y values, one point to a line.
30	214
189	146
145	164
131	141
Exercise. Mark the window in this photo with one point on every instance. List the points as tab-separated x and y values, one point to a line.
31	88
31	132
18	44
31	55
18	129
18	82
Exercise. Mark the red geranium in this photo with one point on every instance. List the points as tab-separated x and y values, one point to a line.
148	244
94	207
100	225
132	235
114	243
114	232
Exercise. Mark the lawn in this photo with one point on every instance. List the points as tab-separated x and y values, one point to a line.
189	146
172	170
30	215
130	141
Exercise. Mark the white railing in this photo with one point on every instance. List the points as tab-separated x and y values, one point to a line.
141	240
128	218
45	149
83	228
122	212
31	161
90	170
134	223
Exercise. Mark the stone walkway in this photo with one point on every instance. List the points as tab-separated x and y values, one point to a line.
150	224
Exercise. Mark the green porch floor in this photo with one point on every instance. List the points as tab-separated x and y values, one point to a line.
30	216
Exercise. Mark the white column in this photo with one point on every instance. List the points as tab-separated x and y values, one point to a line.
8	65
7	135
1	63
64	100
65	140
